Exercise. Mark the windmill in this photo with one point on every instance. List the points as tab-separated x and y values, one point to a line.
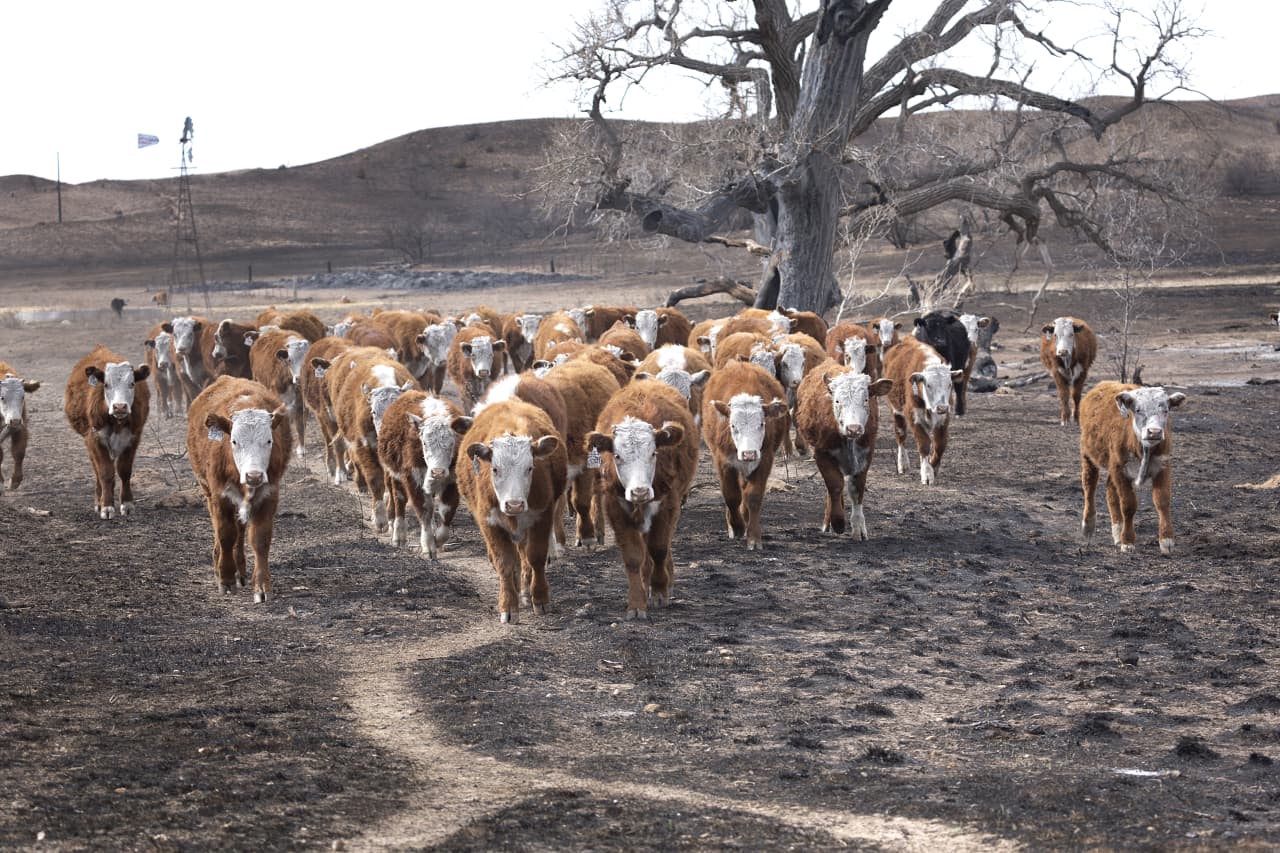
188	268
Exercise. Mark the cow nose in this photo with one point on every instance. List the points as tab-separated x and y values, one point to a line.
513	507
439	473
119	409
483	374
853	430
943	409
639	494
254	478
1155	433
749	455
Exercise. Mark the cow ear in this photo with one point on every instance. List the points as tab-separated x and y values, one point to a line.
479	450
96	376
722	407
1047	329
197	326
919	321
668	434
415	420
897	325
249	338
166	327
662	319
365	389
499	346
599	442
282	354
983	322
957	374
466	348
542	363
407	385
588	312
629	320
149	344
1124	402
141	373
461	424
546	445
643	374
704	342
31	386
214	421
776	408
917	378
699	378
319	362
279	418
880	387
421	339
1176	399
1077	327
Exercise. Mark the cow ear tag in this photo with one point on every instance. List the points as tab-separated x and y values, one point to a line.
593	458
93	382
319	373
215	434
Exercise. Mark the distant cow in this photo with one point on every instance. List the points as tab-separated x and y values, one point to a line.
117	307
158	351
519	331
512	477
13	420
238	444
1067	350
107	402
943	331
418	449
472	357
887	331
1125	430
161	298
648	446
923	397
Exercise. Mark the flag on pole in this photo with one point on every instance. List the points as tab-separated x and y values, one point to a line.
145	139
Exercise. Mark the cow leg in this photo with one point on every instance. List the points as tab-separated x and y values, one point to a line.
1161	493
662	571
1128	502
18	450
639	566
104	477
833	516
226	533
2	462
1113	507
753	505
370	469
939	447
442	520
506	562
1064	398
396	490
424	509
1089	482
558	510
261	526
925	448
802	448
962	388
124	467
855	486
1076	393
731	489
583	494
900	435
788	449
533	560
299	417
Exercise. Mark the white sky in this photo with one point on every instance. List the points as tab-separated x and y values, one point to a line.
282	82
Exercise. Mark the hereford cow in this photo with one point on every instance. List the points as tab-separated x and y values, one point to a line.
626	339
586	389
807	323
512	479
798	354
316	396
923	396
647	324
683	368
13	420
857	347
434	343
838	416
238	443
746	346
194	368
278	359
943	331
973	326
519	331
673	327
744	418
486	315
887	331
158	352
702	336
405	329
471	362
230	353
1067	350
555	329
106	402
601	318
1125	430
418	449
648	449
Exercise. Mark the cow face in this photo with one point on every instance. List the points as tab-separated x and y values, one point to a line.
380	399
781	322
186	335
528	325
646	324
791	365
972	323
219	351
161	350
118	381
579	316
851	395
747	414
1063	332
681	380
763	356
251	441
855	353
436	434
888	330
933	388
294	354
341	328
434	341
1148	409
13	397
479	351
634	445
511	460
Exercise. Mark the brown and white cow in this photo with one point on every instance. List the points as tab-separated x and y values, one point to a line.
434	343
838	416
798	354
302	322
888	332
419	453
703	335
1125	430
107	401
555	329
316	396
512	474
278	359
238	443
519	331
627	340
192	351
1067	350
746	346
158	351
683	368
13	420
744	418
648	449
857	347
923	395
601	318
807	323
673	327
230	353
473	360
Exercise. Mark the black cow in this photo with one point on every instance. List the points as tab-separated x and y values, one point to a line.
117	307
943	331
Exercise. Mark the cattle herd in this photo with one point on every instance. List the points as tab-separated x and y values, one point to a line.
590	414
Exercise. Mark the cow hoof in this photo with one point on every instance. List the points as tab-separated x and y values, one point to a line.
506	617
1166	546
525	600
637	615
126	509
861	535
754	546
540	609
107	513
1127	549
224	589
259	597
660	600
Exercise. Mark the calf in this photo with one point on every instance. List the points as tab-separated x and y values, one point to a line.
943	331
512	479
702	336
189	353
857	347
923	396
1067	350
278	358
230	353
471	362
13	420
627	340
807	323
158	352
117	307
519	331
316	396
1125	429
161	298
405	329
648	446
683	368
418	450
238	444
434	343
647	324
744	417
839	418
887	331
586	389
798	354
973	326
106	402
746	346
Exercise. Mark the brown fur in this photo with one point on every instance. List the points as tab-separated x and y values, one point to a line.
1086	350
646	554
621	370
86	410
195	371
470	386
586	388
315	396
215	470
273	372
519	559
400	451
555	329
694	361
814	355
808	323
403	328
236	360
602	318
905	359
743	496
746	323
168	384
519	350
626	339
738	346
488	316
673	330
17	434
842	332
702	330
367	333
303	322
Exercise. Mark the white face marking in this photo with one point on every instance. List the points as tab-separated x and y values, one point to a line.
219	347
579	316
163	351
1149	411
635	457
647	326
933	384
970	323
713	334
511	467
781	322
677	379
438	337
746	426
251	441
791	365
439	444
12	399
1064	334
380	399
851	402
671	355
481	356
184	335
297	349
341	328
118	388
887	331
528	324
855	353
762	356
610	348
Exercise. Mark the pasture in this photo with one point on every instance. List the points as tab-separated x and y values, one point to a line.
972	677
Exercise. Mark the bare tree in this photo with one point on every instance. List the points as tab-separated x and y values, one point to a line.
801	146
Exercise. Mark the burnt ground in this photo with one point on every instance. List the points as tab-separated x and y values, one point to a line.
972	677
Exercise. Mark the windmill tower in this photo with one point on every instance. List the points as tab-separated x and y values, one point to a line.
188	268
